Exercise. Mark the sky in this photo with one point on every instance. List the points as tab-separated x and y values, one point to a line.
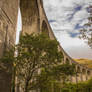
66	18
19	26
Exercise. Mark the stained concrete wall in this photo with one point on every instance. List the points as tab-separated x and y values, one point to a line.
11	9
30	16
5	81
8	20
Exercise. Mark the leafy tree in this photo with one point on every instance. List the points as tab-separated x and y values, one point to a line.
86	31
7	64
63	72
35	52
79	87
38	63
51	79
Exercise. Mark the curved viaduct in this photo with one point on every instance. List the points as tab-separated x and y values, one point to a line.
34	20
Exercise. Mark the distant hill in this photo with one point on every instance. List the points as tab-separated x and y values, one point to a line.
86	62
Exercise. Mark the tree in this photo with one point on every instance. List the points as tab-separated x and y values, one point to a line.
35	52
85	86
86	31
7	64
51	79
38	63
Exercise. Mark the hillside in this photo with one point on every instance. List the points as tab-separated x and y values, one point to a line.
86	62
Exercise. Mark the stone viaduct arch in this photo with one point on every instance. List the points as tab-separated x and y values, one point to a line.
39	23
34	21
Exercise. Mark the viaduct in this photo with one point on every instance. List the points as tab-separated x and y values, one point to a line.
34	20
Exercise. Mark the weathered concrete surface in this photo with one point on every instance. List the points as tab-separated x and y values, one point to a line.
5	81
30	16
11	9
8	20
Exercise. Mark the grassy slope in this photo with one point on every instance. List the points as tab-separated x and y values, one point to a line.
86	62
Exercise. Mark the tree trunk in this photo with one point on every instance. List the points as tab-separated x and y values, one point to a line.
26	86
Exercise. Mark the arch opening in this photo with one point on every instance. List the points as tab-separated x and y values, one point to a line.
84	71
88	72
44	28
67	61
78	69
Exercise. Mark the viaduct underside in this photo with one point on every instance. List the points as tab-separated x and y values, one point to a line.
34	20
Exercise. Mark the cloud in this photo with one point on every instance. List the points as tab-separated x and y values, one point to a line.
81	52
78	8
51	21
74	34
66	41
78	26
66	13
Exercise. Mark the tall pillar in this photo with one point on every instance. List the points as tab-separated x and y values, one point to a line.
86	74
64	60
89	74
70	62
71	79
76	74
81	73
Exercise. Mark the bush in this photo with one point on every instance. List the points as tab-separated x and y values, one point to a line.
65	90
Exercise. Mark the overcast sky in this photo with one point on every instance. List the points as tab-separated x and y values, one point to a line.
66	17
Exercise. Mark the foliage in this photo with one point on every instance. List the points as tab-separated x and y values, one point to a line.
51	79
38	64
7	64
7	60
35	52
79	87
86	31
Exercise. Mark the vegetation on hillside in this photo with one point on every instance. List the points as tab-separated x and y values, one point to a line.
85	62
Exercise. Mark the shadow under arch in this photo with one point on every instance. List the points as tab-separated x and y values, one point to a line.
67	61
44	28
